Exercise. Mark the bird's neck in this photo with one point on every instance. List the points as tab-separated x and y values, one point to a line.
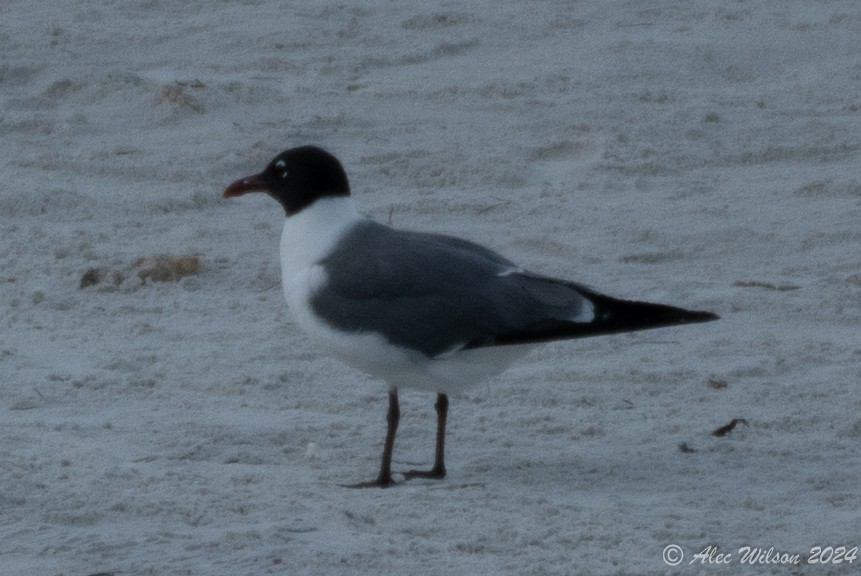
311	234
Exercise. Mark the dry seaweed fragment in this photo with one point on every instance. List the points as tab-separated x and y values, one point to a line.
166	267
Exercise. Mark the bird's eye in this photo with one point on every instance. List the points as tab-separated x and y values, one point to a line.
281	165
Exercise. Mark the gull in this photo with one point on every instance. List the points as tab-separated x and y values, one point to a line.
420	310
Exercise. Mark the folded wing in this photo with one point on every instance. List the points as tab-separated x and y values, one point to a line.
436	294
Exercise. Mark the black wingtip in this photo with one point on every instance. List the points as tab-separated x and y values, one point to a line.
702	316
681	316
614	315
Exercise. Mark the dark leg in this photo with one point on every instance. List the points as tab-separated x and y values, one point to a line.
384	479
438	470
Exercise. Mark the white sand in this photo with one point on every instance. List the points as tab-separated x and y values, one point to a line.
705	154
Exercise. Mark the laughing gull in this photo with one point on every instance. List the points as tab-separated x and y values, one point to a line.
420	310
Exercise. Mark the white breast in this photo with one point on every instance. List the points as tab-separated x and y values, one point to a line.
307	238
311	235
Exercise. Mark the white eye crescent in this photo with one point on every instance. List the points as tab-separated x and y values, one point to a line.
281	165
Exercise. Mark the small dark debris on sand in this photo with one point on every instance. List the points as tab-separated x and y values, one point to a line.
98	275
727	428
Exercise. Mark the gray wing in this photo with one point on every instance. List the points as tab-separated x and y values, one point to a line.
435	293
